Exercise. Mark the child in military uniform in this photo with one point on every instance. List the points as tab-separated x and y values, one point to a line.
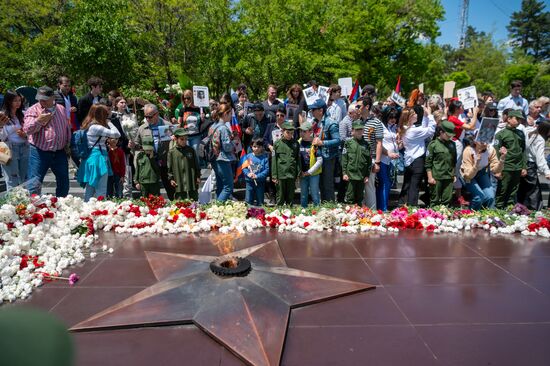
440	165
285	164
147	170
356	164
184	172
515	165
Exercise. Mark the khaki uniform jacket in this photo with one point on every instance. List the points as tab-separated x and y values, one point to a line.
144	131
183	168
285	163
514	142
147	169
441	159
356	159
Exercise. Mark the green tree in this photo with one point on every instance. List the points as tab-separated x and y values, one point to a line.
529	29
27	29
94	40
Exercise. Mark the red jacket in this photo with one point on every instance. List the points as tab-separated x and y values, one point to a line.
118	162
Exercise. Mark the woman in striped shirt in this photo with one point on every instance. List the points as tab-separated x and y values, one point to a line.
97	167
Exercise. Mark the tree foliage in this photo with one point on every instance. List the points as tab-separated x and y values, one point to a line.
145	44
529	29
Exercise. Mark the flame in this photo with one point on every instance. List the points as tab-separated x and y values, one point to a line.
225	242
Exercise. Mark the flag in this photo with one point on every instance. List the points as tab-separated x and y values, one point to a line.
355	92
243	163
398	86
235	126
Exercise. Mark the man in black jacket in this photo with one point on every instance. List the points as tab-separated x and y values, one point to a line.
65	97
93	97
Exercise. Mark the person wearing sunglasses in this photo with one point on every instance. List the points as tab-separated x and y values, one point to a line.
150	131
191	119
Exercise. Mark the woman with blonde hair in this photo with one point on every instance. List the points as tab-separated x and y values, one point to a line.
95	170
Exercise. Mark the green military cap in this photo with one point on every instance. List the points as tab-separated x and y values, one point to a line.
306	126
288	125
516	113
448	127
147	144
357	125
180	132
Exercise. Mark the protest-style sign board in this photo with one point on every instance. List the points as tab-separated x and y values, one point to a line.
468	97
421	87
448	89
323	93
200	96
310	95
397	98
347	85
487	130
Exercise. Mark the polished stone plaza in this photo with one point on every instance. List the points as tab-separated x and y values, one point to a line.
468	299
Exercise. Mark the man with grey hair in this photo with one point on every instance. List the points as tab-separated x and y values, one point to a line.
345	124
49	135
149	132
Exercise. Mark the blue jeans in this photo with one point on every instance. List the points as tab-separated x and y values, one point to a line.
384	187
481	189
224	180
100	190
255	193
310	185
39	163
16	171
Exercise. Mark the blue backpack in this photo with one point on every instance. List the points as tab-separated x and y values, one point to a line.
80	142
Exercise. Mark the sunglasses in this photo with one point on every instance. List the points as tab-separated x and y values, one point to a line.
151	115
187	98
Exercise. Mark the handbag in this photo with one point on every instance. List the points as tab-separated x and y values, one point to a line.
5	153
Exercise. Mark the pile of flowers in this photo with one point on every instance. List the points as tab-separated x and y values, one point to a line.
40	237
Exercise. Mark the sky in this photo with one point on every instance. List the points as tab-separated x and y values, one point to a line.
489	16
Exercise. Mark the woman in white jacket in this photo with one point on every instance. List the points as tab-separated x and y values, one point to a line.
97	167
529	192
416	125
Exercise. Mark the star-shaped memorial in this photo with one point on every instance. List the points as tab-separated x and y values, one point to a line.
248	313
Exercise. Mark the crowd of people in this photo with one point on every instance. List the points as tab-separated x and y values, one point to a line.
333	148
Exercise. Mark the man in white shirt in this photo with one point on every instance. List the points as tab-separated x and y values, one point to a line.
514	100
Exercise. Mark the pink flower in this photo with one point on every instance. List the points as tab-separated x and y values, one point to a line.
73	278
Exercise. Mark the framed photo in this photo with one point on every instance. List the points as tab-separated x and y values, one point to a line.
291	111
166	132
487	130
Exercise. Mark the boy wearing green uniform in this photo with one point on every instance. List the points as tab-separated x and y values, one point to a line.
356	164
147	170
440	165
184	173
285	164
515	165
